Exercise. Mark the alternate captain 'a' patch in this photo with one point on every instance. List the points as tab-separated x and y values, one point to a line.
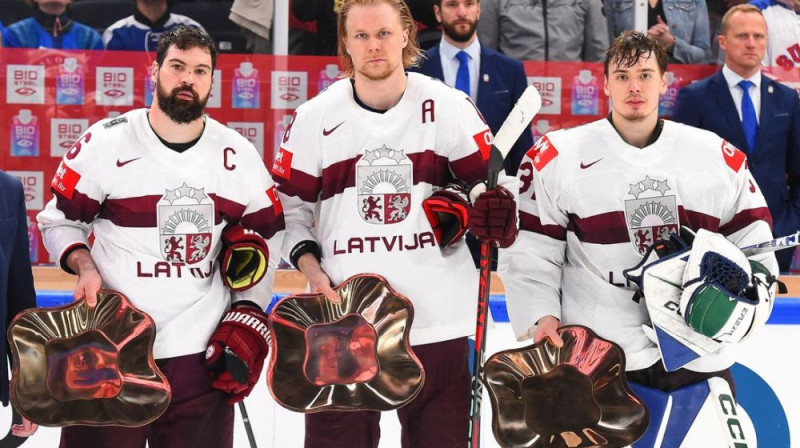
185	224
384	177
651	213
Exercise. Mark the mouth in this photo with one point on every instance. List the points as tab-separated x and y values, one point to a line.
185	95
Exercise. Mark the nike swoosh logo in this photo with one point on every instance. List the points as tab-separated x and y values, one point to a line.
327	132
121	164
587	165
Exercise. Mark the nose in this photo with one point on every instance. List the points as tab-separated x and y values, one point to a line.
188	78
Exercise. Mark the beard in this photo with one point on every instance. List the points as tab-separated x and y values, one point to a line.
378	73
177	109
450	30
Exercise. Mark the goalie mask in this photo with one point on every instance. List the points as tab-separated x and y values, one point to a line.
81	365
576	395
352	355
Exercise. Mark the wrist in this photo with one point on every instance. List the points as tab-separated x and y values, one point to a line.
80	261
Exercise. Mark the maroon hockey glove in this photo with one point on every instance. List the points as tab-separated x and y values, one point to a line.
447	211
242	332
244	259
493	216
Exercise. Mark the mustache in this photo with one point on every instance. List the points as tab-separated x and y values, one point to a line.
181	89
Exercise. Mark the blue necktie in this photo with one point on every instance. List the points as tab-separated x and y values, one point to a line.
462	75
749	120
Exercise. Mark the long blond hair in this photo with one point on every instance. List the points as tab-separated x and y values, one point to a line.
411	53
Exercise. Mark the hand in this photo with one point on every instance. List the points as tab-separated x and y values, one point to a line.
493	216
318	280
89	280
242	332
25	429
547	328
660	32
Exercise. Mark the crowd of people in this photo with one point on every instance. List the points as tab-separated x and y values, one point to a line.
540	31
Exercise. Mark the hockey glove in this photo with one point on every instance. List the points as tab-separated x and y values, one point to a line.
493	216
244	259
243	332
721	297
448	212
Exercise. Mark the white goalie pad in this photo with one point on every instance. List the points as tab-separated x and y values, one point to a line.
701	415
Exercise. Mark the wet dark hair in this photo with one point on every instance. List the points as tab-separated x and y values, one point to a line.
185	38
631	46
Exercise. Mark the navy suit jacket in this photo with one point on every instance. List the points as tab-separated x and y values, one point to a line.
775	161
16	280
501	82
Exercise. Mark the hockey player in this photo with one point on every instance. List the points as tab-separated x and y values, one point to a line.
594	198
361	172
157	187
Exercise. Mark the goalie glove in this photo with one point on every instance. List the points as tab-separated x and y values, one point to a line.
244	259
447	211
242	332
722	298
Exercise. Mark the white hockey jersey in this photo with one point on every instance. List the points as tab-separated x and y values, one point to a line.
591	205
354	181
783	25
157	216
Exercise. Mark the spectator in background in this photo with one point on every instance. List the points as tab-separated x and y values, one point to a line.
140	32
51	27
680	26
323	13
551	30
254	17
783	23
16	279
756	114
493	81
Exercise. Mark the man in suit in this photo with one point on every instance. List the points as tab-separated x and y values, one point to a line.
754	113
493	80
16	278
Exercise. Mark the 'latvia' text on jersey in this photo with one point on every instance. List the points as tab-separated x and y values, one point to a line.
354	180
590	205
157	216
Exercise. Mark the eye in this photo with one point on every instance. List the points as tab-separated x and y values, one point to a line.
177	67
622	77
361	35
646	75
201	71
384	33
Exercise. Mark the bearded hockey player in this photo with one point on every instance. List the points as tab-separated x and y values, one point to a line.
595	198
166	191
362	172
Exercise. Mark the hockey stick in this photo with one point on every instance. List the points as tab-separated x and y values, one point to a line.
241	373
777	244
517	121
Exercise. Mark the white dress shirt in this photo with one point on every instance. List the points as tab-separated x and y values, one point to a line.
447	53
755	91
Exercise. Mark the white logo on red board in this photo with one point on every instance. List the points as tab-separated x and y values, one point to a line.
32	186
25	84
114	86
549	88
64	132
252	131
289	89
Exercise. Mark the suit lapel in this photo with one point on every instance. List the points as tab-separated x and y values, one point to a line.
765	115
483	73
435	56
720	91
